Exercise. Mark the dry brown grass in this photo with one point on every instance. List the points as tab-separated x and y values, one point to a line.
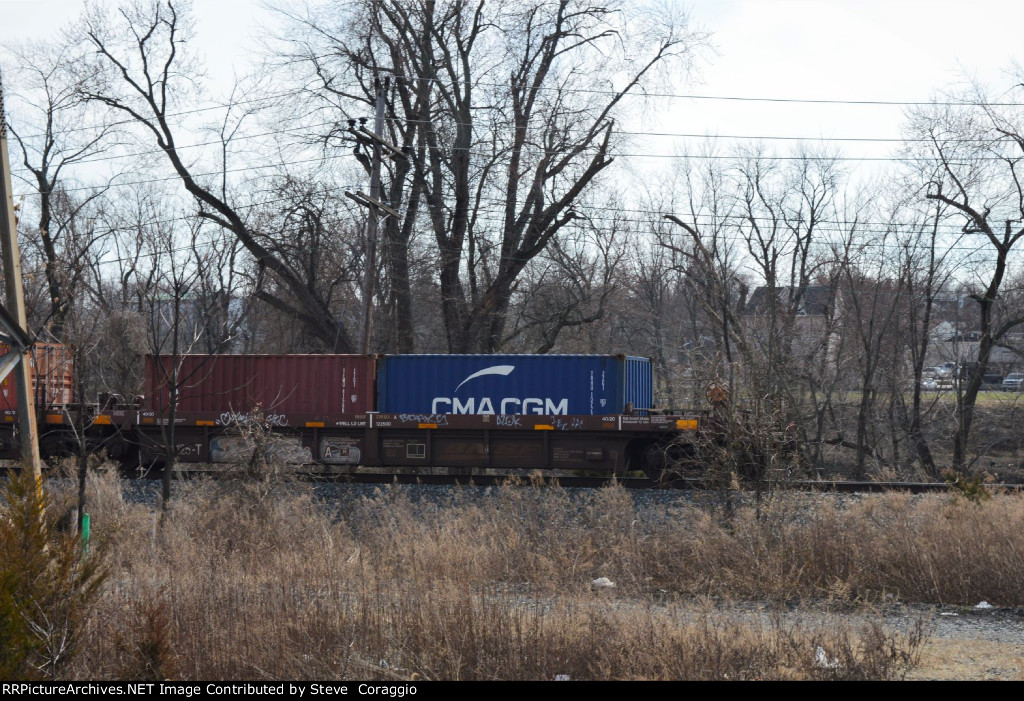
958	659
932	549
242	584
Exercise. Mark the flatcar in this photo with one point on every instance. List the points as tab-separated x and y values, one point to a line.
408	412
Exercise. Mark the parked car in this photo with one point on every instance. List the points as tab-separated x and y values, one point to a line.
992	381
1013	382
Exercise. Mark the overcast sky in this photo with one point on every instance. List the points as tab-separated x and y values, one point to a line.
835	49
786	53
880	50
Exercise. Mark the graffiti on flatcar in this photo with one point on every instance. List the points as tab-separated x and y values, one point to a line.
236	418
340	451
437	419
286	450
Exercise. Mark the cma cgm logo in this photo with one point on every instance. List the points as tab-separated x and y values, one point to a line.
501	405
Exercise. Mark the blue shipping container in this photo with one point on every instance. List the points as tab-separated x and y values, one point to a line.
513	384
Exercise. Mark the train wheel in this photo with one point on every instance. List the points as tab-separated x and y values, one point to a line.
667	459
652	462
680	457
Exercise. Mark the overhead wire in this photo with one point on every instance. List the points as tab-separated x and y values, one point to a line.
654	221
620	132
611	155
571	91
328	157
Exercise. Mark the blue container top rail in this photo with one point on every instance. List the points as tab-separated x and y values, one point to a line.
514	384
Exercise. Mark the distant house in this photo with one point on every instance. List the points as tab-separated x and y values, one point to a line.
943	331
962	349
810	301
955	339
813	310
953	312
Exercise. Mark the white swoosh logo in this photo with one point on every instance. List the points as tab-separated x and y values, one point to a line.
494	370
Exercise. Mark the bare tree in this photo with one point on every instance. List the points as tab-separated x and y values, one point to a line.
782	344
977	172
653	317
565	288
59	131
181	300
784	204
141	68
708	256
116	280
873	294
496	108
926	274
320	242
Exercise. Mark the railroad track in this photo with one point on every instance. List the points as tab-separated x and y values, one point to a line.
643	483
680	484
574	482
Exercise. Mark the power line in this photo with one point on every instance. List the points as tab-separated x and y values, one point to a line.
654	222
495	212
245	137
766	137
723	98
584	91
750	137
619	132
497	205
198	248
747	137
180	113
712	157
156	151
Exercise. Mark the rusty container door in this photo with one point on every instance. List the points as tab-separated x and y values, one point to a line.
277	384
51	369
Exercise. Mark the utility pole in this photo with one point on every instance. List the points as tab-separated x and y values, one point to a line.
375	140
13	323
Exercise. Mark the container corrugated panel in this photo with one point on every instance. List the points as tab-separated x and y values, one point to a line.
51	369
639	383
278	384
512	384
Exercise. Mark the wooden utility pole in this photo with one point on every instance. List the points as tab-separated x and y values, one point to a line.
371	224
375	140
13	320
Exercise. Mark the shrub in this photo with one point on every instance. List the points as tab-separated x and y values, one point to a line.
47	584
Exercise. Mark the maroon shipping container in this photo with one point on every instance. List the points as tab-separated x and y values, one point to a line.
278	384
50	367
